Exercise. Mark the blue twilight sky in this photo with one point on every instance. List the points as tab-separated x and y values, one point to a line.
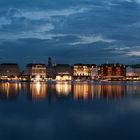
71	31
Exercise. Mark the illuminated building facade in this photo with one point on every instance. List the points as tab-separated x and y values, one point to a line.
136	71
9	71
85	71
63	72
37	72
133	73
112	71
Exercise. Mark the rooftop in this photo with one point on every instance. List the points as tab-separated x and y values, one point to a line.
9	64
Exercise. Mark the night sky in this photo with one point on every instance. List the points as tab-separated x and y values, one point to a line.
71	31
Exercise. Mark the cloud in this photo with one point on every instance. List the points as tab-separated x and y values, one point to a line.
38	34
37	14
56	25
122	48
91	39
132	1
126	0
46	28
133	53
4	21
35	31
118	48
134	25
137	1
33	22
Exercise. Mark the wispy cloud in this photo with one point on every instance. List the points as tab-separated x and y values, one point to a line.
37	14
118	48
133	53
38	34
91	39
137	1
132	1
45	28
134	25
35	31
4	21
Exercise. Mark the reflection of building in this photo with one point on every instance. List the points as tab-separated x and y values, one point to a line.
112	91
133	90
37	72
112	71
9	91
63	72
38	91
63	88
87	91
9	71
83	91
85	71
34	91
25	88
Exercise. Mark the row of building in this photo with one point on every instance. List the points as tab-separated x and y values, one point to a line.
65	72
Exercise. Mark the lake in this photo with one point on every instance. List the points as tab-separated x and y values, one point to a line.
65	111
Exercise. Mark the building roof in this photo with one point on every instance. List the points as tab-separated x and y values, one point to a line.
63	65
9	64
135	66
80	64
35	64
117	64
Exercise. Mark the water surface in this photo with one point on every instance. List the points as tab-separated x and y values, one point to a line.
70	111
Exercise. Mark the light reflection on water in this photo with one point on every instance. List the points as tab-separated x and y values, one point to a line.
78	91
38	90
63	88
64	111
9	91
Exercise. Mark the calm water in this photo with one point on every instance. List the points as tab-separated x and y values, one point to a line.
70	112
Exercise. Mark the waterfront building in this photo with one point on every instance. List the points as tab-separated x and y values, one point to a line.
63	72
9	71
136	71
129	71
36	72
133	73
112	71
85	71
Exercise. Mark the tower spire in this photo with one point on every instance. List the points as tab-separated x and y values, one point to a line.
49	62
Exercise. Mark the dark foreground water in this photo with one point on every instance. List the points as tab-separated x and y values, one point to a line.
70	112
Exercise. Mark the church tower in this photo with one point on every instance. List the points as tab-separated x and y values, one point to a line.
49	62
